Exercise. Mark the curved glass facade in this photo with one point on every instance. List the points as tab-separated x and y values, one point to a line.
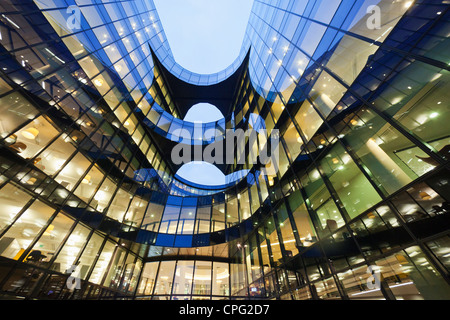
91	102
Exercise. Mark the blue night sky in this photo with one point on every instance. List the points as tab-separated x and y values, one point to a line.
205	37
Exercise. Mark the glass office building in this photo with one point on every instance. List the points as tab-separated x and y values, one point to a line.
92	104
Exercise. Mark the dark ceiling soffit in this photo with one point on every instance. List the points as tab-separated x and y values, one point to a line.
185	95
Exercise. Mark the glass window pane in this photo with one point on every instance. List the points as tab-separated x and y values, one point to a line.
218	217
169	221
89	184
410	275
272	236
183	278
293	141
89	255
66	257
357	284
152	217
101	267
165	278
441	249
148	278
15	110
52	237
53	158
72	172
305	227
103	195
244	205
327	289
326	93
350	57
12	201
380	149
232	211
308	121
115	268
354	190
119	205
17	239
202	278
35	136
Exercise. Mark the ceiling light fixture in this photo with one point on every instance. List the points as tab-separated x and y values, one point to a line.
424	196
86	179
434	115
30	133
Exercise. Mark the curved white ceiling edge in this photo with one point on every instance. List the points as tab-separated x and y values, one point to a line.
168	60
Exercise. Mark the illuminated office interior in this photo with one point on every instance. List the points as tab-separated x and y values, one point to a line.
90	113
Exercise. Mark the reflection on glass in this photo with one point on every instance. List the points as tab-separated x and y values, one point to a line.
51	239
165	278
183	278
21	234
202	278
13	200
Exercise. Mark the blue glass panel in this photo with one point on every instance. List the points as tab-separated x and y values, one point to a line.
174	200
183	241
165	240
